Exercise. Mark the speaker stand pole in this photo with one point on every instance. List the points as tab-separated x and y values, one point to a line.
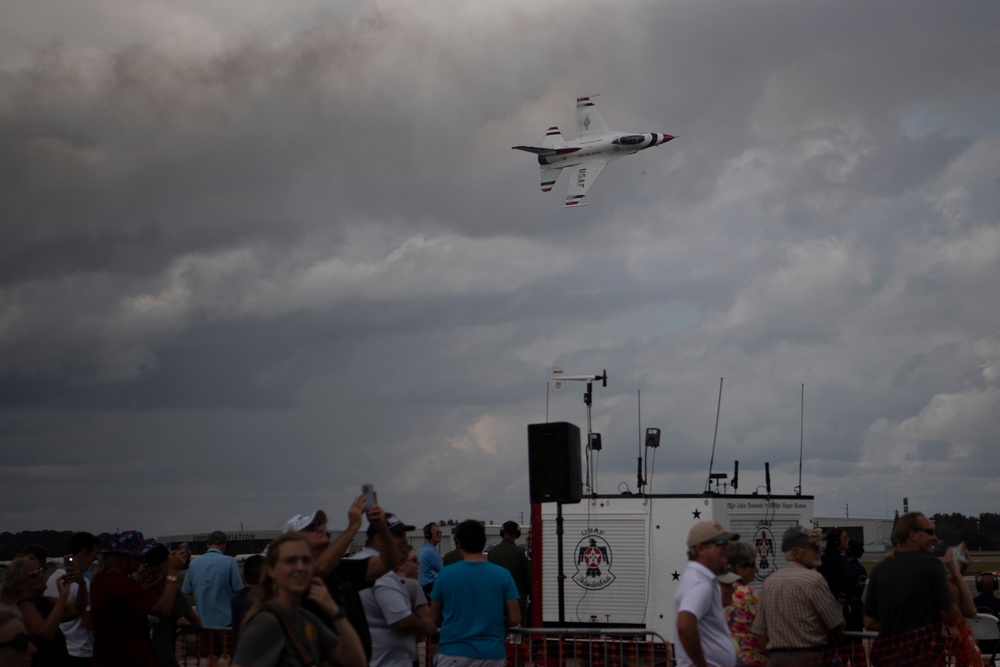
560	585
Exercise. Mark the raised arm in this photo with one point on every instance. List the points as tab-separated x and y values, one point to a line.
165	603
956	584
331	556
349	652
389	558
45	628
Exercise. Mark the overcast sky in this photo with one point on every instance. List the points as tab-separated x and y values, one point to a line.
253	257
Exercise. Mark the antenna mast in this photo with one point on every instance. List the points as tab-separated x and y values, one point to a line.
711	462
802	417
639	481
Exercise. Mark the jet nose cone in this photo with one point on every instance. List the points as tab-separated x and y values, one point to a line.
667	137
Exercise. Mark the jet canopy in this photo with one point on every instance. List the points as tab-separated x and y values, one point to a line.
629	140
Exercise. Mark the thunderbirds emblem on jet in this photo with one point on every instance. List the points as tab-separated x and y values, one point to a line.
595	146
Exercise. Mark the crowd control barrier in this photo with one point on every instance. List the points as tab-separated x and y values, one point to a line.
954	646
204	647
579	647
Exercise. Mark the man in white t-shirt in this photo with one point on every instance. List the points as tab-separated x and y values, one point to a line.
79	638
702	633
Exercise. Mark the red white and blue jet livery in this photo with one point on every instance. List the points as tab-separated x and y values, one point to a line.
584	159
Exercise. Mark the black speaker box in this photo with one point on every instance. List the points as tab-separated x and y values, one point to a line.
554	473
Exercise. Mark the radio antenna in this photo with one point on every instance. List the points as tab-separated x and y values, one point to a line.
640	482
711	462
802	417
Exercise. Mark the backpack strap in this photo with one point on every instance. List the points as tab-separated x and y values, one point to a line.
290	633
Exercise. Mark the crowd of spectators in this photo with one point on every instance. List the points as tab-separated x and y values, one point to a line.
306	601
915	599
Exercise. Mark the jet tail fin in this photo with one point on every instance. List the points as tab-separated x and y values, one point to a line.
553	138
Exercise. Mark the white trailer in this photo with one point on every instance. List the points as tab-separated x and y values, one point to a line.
623	555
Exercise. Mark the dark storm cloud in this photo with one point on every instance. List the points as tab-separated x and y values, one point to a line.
283	257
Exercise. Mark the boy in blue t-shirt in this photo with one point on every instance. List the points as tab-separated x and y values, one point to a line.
469	600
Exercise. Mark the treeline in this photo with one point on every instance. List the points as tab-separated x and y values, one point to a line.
980	533
54	541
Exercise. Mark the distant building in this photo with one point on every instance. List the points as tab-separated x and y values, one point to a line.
246	542
874	534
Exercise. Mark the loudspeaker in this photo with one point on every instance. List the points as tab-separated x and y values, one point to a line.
554	473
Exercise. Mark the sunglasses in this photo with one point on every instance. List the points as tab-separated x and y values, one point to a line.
718	543
18	642
37	572
929	531
413	560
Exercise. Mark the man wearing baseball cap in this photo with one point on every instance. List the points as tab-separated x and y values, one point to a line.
119	604
701	623
798	614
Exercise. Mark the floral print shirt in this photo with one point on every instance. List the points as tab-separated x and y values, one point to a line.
739	617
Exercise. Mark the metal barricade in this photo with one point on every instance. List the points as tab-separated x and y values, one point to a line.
203	647
579	647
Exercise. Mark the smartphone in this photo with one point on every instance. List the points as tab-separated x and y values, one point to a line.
69	562
369	491
960	554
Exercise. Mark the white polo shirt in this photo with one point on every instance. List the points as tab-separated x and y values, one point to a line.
699	594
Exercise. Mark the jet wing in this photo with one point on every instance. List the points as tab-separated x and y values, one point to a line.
581	177
588	121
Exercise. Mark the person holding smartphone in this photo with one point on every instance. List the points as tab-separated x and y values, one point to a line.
279	630
343	577
79	637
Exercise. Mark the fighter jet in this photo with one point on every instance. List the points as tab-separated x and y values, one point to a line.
594	148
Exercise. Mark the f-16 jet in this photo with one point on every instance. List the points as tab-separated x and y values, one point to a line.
595	146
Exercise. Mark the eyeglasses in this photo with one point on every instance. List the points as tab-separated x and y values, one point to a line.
752	564
929	531
18	642
292	560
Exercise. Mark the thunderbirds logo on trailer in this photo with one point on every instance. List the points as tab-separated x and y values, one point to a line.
764	541
593	561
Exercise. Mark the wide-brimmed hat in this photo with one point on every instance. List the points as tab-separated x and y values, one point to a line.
128	543
709	531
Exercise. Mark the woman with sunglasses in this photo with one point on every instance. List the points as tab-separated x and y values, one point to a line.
407	571
741	612
24	588
278	631
16	647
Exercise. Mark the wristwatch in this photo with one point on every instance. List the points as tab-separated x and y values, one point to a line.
172	578
339	615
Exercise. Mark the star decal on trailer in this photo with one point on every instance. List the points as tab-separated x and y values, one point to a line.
676	575
697	514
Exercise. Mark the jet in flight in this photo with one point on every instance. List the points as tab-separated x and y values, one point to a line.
585	158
